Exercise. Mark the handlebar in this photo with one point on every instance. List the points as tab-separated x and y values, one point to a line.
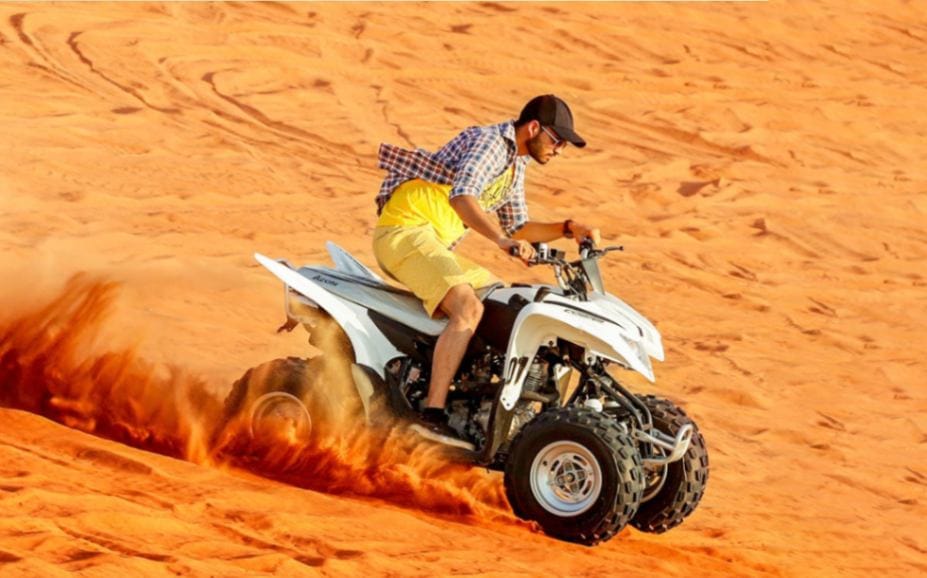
544	255
576	278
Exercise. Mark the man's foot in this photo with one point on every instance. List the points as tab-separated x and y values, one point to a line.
433	426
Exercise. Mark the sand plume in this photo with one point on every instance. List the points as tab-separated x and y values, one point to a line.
48	366
761	162
51	363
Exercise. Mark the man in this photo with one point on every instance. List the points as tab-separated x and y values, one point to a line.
428	201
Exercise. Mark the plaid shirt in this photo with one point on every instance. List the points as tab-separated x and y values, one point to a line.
470	162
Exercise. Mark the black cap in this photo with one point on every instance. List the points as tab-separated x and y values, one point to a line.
552	112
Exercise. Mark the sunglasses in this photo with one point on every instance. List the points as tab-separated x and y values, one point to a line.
558	142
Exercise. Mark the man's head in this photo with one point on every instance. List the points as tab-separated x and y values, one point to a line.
547	125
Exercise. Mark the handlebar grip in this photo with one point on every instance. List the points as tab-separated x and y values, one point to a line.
513	251
587	244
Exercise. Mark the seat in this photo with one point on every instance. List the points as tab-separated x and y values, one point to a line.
348	266
394	302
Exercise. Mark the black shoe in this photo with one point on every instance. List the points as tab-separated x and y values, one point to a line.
433	426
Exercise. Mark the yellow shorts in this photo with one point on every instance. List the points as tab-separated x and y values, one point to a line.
415	257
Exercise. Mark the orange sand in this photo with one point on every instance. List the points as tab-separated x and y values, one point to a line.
763	164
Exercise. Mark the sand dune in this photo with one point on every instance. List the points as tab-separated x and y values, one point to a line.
763	164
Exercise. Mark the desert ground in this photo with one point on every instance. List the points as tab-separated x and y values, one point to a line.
764	165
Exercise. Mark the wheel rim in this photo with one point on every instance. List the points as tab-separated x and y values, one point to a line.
280	415
566	478
653	481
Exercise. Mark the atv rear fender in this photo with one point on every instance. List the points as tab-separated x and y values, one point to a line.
370	351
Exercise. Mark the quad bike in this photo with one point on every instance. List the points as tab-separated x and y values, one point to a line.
581	455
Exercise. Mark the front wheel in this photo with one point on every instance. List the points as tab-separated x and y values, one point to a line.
576	473
673	491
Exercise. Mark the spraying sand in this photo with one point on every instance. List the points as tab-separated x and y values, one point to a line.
763	164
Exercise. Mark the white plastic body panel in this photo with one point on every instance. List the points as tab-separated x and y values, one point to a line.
542	323
620	313
653	343
346	262
605	305
371	348
405	308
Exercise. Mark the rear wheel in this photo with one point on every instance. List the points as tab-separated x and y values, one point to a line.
576	473
674	490
276	401
325	333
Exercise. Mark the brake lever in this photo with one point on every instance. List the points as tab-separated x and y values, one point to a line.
596	253
604	251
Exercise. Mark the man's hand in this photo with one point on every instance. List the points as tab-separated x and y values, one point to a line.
582	232
525	251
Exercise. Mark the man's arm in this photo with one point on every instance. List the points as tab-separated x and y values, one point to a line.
486	153
535	232
473	216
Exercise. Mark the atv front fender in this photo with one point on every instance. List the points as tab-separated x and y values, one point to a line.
543	323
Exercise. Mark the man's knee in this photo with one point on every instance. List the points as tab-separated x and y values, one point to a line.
463	306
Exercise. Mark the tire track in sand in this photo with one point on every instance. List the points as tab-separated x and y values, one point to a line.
72	43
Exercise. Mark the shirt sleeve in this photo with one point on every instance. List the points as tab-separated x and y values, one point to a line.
513	214
485	158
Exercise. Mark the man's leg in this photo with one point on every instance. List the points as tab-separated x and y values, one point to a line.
464	311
